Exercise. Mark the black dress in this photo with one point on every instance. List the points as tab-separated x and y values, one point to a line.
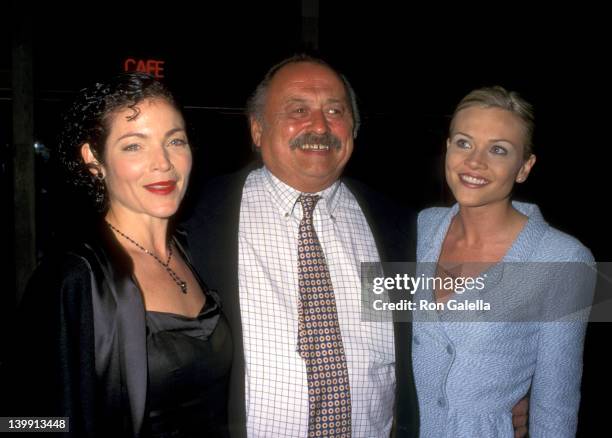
189	361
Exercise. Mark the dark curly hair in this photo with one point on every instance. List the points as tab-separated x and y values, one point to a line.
88	121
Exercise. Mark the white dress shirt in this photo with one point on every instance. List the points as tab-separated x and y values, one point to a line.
275	375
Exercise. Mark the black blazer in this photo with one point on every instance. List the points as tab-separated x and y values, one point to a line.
62	366
212	230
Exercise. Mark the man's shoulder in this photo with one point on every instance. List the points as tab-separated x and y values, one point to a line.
218	188
375	203
393	225
217	196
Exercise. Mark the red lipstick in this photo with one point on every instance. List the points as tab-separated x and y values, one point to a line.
161	187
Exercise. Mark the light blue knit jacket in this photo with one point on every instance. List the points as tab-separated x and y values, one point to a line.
469	375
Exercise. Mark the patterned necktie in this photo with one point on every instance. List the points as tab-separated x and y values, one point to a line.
319	337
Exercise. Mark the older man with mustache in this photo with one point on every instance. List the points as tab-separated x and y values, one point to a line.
285	243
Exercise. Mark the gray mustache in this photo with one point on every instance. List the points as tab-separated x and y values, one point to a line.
327	139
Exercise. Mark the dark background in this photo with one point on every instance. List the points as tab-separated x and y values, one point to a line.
409	67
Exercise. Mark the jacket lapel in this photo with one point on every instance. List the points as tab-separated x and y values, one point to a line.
120	331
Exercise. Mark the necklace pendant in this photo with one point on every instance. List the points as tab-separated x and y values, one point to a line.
182	284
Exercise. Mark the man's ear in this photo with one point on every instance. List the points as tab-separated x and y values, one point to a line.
256	131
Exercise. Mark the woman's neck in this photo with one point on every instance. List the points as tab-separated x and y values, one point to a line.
487	224
149	232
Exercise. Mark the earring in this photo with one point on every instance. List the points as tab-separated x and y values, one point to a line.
96	170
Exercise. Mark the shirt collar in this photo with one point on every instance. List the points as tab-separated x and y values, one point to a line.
285	197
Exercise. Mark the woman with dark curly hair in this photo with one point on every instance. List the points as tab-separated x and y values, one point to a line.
122	336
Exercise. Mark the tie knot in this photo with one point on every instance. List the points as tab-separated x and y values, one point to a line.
308	203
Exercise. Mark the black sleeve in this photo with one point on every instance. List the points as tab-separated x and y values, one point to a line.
51	368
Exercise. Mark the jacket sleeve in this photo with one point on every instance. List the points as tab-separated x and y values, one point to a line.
51	368
555	389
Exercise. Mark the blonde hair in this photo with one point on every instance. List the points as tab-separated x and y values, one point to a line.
499	97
